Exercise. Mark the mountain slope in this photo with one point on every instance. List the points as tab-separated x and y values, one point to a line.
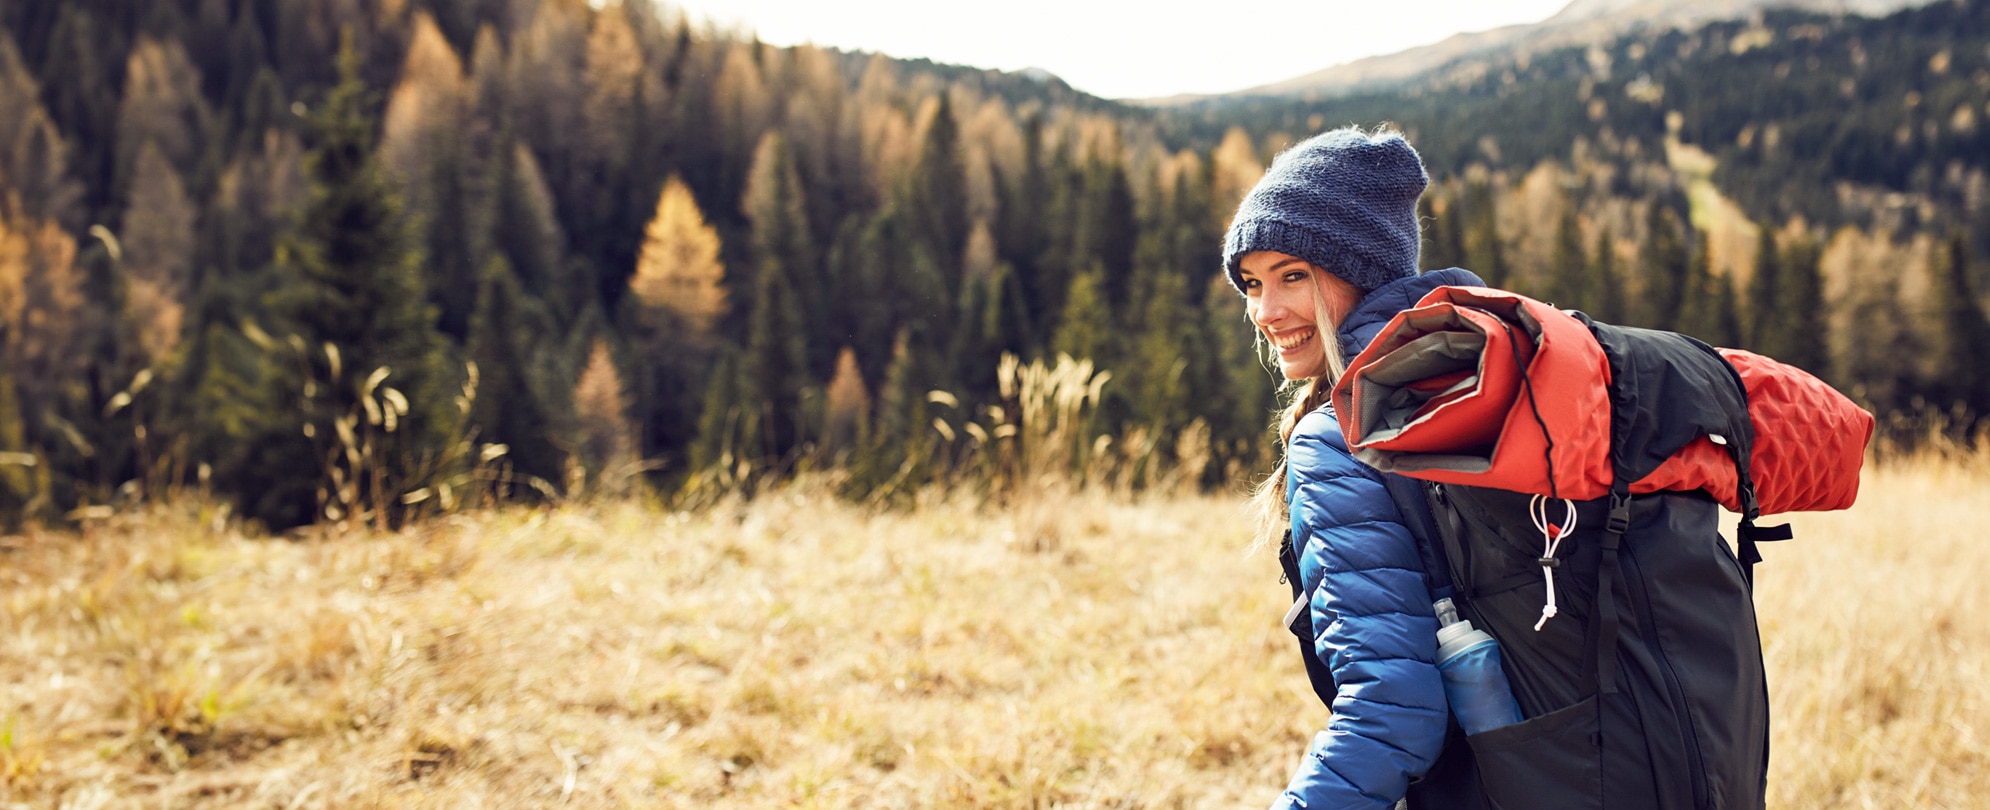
1582	22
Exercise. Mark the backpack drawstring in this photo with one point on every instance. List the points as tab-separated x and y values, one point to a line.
1551	535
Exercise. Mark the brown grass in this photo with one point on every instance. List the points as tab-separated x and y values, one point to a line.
796	651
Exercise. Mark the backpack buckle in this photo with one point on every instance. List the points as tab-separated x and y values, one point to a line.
1620	515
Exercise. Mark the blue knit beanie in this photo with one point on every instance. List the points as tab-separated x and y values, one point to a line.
1343	200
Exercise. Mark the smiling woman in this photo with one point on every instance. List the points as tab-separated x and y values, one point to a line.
1289	299
1324	249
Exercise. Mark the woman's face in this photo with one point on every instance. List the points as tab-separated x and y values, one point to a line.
1285	296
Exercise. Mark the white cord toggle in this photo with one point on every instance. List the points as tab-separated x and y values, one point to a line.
1551	537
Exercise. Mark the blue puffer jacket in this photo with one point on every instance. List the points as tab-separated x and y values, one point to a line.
1370	605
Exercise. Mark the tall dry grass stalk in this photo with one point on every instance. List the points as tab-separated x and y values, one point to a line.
798	650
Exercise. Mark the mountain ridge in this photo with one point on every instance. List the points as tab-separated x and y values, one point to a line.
1581	22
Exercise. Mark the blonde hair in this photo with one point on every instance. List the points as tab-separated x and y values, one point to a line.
1268	499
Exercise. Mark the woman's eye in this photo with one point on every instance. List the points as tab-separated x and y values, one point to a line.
1295	276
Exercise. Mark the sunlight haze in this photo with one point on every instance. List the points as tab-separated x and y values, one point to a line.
1123	50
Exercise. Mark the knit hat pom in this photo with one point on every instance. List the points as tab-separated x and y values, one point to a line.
1343	200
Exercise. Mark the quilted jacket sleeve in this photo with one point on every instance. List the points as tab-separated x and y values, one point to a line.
1377	632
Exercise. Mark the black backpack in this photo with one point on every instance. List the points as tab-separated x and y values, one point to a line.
1671	709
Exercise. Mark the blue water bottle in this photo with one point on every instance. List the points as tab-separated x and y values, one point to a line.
1468	659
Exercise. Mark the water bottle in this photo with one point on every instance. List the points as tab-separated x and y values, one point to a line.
1468	659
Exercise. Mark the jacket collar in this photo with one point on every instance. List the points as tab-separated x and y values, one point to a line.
1375	309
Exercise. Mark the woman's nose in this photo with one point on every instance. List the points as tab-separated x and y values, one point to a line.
1271	307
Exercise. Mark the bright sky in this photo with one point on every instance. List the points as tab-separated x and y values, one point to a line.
1122	49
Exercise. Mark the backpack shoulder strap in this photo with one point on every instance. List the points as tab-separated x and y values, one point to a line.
1300	622
1412	499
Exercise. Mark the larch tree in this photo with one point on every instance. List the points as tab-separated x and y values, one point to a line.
157	243
678	270
608	444
162	105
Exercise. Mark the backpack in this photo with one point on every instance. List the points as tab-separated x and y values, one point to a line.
1630	642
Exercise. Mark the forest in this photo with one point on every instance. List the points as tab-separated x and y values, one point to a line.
364	260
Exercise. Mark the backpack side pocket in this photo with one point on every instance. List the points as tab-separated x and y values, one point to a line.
1548	761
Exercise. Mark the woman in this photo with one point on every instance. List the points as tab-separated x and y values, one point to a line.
1324	249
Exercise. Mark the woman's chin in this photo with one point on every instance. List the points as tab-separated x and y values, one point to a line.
1296	370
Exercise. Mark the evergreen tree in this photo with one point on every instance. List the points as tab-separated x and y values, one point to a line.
1700	311
1728	316
514	401
939	192
725	420
1157	392
774	203
1108	232
1485	254
1768	331
82	50
1569	277
16	485
1442	237
524	230
1086	330
1803	310
1665	265
1609	306
773	371
349	278
1965	368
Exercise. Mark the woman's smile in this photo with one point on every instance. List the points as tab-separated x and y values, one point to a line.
1292	342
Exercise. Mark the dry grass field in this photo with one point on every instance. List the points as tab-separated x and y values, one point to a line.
796	651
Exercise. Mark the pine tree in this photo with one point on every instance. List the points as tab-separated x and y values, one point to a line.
1768	331
1665	265
1085	331
1485	253
513	405
608	443
939	198
1700	309
774	368
525	232
1442	237
774	203
350	278
1803	309
1157	390
83	103
1609	306
1966	365
1569	276
1108	232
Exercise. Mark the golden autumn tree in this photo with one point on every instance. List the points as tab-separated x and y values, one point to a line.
601	404
678	269
158	251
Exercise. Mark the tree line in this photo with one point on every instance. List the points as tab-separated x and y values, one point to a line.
361	261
